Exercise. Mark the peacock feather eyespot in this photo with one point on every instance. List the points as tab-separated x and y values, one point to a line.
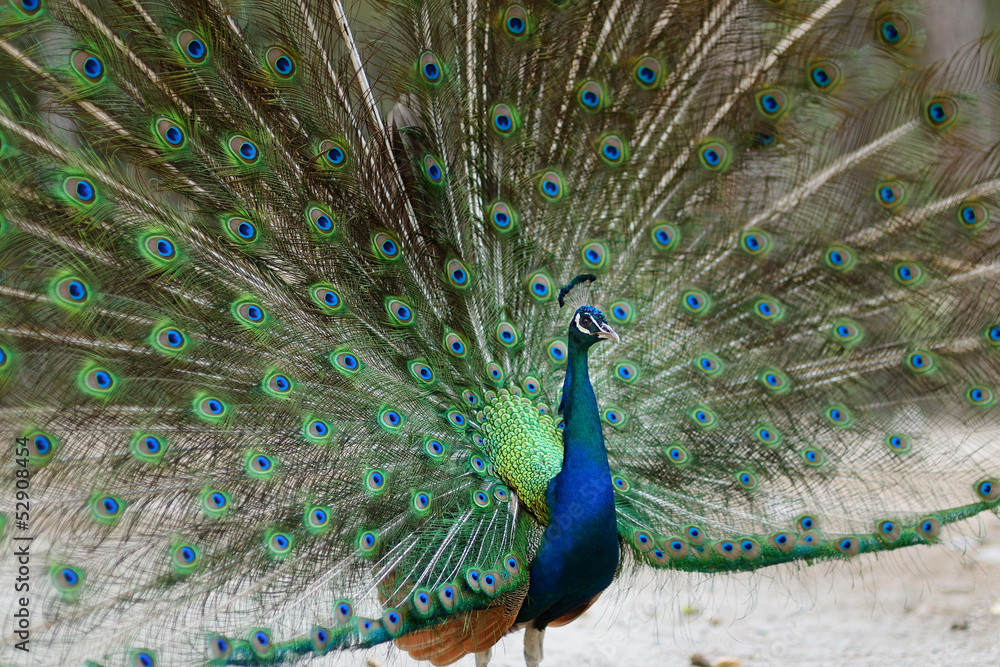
783	542
622	311
434	448
422	602
327	297
480	499
367	543
29	8
695	301
972	215
386	245
280	62
888	530
478	463
333	154
399	311
746	479
88	66
345	362
898	443
677	454
143	659
148	448
367	626
551	186
825	76
316	430
214	503
320	219
279	544
502	217
613	417
755	242
248	312
490	583
764	138
846	332
259	466
106	509
665	236
848	546
219	647
992	334
703	417
159	248
390	419
243	149
694	535
343	610
170	133
642	540
210	408
807	522
41	447
455	345
714	155
595	255
457	274
648	72
775	381
749	549
516	22
988	490
277	385
813	456
420	503
768	435
772	103
709	364
421	372
627	371
592	96
532	386
66	579
612	149
920	361
768	309
432	169
941	112
840	258
620	483
240	230
929	528
890	194
260	642
501	494
504	119
838	415
98	382
81	191
557	352
893	30
494	372
320	638
507	335
676	548
184	558
431	70
980	396
908	274
728	549
470	398
457	419
192	47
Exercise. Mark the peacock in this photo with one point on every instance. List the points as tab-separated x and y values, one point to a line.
326	325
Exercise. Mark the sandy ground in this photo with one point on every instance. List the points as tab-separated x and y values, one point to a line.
933	606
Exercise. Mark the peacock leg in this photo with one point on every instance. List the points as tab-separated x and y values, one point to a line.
533	646
483	657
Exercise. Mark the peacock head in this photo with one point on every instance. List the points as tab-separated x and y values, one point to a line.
590	326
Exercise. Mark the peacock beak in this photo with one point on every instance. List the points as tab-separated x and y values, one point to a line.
605	332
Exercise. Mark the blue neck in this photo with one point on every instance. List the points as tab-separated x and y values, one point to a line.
579	551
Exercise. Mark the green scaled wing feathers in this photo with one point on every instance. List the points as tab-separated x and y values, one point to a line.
260	338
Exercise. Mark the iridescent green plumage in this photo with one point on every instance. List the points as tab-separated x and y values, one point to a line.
281	349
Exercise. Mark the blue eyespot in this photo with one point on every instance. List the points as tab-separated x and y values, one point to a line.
84	190
92	67
247	150
196	49
431	71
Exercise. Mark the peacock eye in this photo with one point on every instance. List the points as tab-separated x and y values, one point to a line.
585	321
